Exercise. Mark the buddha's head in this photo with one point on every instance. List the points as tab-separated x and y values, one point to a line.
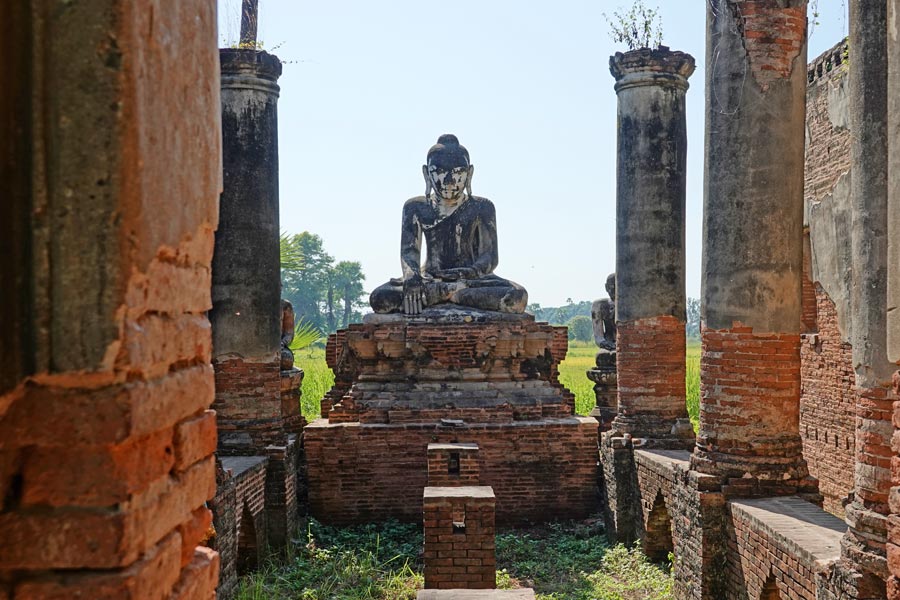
611	286
447	169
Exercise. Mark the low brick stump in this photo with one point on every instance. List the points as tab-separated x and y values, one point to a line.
459	537
291	380
522	594
449	377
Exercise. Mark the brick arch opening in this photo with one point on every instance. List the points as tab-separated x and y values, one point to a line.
871	587
248	546
770	590
657	541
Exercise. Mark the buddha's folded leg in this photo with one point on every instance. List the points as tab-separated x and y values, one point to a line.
387	298
506	298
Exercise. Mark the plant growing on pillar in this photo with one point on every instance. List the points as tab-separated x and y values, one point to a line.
638	27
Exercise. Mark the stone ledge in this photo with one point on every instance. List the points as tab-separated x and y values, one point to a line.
322	423
803	529
473	491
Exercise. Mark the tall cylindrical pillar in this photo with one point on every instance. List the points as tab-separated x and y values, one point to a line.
864	544
650	238
752	245
246	275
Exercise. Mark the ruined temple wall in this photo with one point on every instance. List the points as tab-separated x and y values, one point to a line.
828	400
105	438
539	470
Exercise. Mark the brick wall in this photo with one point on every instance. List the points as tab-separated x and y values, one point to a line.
453	465
651	378
459	538
783	547
240	492
827	398
827	407
696	509
281	493
105	439
539	470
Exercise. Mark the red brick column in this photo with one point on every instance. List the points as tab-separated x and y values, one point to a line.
749	417
651	374
106	439
459	538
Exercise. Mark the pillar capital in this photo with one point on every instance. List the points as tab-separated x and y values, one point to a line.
656	67
249	68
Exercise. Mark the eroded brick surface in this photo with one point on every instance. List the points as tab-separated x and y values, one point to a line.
773	35
749	422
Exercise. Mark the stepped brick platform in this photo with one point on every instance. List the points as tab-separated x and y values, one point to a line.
449	376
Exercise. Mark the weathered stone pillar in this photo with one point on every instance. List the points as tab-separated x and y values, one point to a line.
650	262
893	297
867	513
246	278
893	211
752	246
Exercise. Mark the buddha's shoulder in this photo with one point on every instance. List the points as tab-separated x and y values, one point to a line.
415	202
480	203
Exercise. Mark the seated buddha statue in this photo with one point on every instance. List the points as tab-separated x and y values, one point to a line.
460	232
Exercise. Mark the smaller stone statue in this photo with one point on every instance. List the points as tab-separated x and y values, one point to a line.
287	335
603	315
604	376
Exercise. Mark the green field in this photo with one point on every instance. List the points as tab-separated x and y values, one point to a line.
318	378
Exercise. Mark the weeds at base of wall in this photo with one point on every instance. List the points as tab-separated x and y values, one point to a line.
567	560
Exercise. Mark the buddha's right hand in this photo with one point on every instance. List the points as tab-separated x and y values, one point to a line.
413	296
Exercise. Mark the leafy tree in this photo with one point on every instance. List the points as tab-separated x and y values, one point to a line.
347	278
317	287
580	328
306	287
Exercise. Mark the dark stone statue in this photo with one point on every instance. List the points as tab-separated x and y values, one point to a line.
287	335
460	233
603	315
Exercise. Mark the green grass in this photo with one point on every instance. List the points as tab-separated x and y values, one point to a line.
692	382
572	374
568	560
317	380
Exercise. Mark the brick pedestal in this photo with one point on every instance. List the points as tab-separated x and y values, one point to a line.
449	376
459	538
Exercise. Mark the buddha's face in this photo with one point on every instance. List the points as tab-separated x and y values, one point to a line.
448	182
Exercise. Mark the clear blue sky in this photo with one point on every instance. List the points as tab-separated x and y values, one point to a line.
369	86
